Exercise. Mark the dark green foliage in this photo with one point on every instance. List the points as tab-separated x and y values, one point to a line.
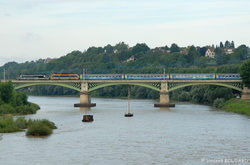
219	102
122	92
140	48
204	94
35	127
174	48
245	73
40	128
12	102
6	91
7	125
21	123
6	109
26	109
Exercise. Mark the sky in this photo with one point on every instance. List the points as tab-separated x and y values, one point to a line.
40	29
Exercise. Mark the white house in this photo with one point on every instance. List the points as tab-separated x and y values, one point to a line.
210	53
132	58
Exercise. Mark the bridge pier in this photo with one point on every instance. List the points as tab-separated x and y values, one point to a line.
164	97
245	93
85	98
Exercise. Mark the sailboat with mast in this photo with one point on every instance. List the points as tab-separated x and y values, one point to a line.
129	114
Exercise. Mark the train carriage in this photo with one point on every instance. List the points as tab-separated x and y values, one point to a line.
192	76
101	76
64	77
228	76
33	77
146	76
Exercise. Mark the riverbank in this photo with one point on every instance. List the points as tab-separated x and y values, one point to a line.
237	106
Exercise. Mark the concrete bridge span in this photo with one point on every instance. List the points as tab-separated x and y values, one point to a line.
85	87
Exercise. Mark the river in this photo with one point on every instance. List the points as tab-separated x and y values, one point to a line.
188	134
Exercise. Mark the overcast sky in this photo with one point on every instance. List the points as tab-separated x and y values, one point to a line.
34	29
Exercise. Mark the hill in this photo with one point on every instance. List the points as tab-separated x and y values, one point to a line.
121	58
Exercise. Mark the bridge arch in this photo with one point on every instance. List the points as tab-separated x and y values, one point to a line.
96	86
23	85
236	86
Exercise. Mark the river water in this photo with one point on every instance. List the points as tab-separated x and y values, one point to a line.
188	134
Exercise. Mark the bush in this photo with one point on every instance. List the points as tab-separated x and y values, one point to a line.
27	109
7	125
219	102
40	127
6	109
21	123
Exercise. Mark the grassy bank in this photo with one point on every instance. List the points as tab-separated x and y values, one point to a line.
237	106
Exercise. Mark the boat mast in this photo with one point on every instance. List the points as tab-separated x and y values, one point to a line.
128	99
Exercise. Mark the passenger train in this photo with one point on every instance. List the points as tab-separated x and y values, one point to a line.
131	76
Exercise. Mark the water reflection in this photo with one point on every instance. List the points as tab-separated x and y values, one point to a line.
85	110
164	108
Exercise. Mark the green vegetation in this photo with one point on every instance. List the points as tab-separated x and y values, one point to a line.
34	127
237	106
245	73
40	128
16	103
205	94
140	59
7	125
116	59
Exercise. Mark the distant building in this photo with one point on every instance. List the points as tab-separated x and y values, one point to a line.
132	58
183	51
229	51
210	53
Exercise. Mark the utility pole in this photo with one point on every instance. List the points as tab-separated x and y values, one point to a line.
164	72
4	74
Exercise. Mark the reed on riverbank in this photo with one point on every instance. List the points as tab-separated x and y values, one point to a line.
237	106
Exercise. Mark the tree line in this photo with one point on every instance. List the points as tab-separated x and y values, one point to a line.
115	59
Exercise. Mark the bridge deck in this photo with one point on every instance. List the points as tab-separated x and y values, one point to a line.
122	81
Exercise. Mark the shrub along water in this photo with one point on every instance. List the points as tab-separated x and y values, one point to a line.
34	127
7	125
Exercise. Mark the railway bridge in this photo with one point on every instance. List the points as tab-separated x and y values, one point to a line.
164	87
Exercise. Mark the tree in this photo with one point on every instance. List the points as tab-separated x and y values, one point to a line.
203	51
174	48
193	55
232	45
138	48
6	91
121	46
245	73
109	49
227	44
221	57
221	45
242	52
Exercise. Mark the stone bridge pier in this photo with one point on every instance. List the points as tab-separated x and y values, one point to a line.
164	96
85	98
245	93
